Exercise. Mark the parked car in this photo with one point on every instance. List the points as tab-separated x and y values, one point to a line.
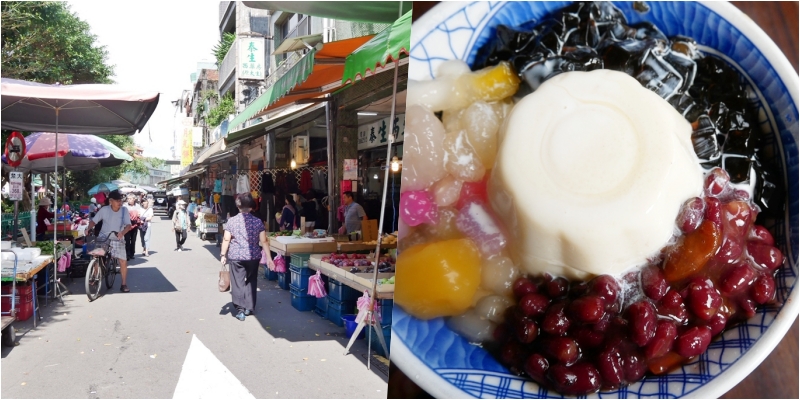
160	202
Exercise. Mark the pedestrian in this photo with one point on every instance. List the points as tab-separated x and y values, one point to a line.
180	222
290	219
92	207
309	208
144	229
130	237
115	218
244	240
42	215
353	213
192	211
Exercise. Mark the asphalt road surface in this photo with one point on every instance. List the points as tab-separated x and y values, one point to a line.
174	336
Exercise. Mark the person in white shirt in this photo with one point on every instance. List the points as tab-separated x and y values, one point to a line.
92	207
145	215
115	218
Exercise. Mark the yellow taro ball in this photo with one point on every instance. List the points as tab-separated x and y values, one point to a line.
438	279
494	83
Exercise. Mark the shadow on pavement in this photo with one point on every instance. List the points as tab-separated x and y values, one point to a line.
140	280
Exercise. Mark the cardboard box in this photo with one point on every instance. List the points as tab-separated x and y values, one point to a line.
290	248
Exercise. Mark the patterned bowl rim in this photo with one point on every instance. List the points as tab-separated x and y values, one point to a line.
438	387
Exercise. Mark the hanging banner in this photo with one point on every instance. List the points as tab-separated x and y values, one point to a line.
15	186
197	136
350	169
251	58
376	133
187	151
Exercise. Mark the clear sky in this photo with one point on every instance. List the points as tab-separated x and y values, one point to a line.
154	45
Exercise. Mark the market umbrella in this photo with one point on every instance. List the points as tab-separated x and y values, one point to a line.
121	183
103	187
82	109
362	11
134	189
75	152
387	45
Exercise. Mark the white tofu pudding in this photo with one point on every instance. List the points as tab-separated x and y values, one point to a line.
591	174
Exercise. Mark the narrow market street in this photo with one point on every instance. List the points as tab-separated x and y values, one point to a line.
174	336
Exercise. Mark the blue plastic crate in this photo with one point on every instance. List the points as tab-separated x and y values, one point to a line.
284	280
301	301
386	306
341	292
376	344
270	275
338	308
322	307
300	260
300	277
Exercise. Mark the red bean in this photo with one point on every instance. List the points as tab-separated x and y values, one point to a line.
633	364
557	288
737	279
714	211
739	216
717	182
730	251
741	194
501	334
761	235
642	317
693	341
523	286
717	323
603	323
654	284
766	256
662	342
691	215
609	364
563	350
588	309
512	354
747	307
527	331
607	288
536	367
579	379
763	290
588	338
703	300
534	304
578	289
555	321
672	306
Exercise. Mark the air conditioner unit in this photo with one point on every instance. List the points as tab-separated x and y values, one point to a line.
300	149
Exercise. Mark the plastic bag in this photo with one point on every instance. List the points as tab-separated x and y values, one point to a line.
363	308
315	286
264	258
280	264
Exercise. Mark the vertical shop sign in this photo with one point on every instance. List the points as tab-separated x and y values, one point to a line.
15	186
251	58
197	136
187	151
350	169
377	133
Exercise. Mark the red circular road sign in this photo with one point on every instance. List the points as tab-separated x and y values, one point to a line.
15	149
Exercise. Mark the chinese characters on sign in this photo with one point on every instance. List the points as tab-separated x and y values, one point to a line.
251	58
377	133
187	151
15	186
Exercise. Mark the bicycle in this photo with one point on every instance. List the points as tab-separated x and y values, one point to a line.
103	266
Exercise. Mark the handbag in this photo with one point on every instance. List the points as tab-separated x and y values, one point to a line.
224	279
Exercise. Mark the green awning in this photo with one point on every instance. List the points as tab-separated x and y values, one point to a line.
362	11
385	46
296	75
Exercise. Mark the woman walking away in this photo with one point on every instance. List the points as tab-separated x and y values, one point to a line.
130	237
145	216
180	222
244	240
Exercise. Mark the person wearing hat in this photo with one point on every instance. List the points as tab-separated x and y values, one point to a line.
92	206
115	218
180	222
41	215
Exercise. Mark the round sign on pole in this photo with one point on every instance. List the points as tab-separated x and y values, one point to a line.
15	149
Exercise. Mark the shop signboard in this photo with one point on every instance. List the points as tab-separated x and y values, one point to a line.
197	136
350	169
15	186
376	133
251	58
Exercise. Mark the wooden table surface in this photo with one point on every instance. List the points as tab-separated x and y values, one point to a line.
777	376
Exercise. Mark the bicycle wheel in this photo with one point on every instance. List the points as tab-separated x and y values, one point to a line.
94	279
111	272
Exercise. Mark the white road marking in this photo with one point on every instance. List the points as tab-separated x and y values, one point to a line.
203	376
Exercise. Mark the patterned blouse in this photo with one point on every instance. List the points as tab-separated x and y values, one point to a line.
244	229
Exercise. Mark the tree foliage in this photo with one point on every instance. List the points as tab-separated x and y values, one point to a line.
219	113
221	49
45	42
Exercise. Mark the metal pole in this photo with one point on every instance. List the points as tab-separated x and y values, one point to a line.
331	163
56	290
33	209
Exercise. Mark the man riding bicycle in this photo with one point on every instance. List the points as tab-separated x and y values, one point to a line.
115	218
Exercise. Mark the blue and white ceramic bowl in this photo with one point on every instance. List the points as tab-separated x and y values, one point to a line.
447	366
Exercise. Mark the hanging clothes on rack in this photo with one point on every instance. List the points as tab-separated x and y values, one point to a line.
305	181
243	184
319	181
291	183
267	185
